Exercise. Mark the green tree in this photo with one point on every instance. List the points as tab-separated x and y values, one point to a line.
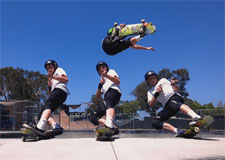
129	106
19	84
182	76
140	92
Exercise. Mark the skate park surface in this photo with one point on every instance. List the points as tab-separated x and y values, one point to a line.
128	145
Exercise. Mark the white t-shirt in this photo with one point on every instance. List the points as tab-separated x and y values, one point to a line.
109	84
165	94
57	84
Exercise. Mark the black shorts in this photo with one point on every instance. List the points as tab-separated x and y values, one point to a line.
56	98
112	98
112	48
171	108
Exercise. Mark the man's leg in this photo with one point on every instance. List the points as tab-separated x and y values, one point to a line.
110	114
44	118
188	111
52	122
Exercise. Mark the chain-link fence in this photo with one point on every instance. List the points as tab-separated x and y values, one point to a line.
13	114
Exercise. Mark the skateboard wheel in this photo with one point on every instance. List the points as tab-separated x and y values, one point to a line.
197	129
24	138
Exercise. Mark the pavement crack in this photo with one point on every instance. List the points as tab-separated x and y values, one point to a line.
114	151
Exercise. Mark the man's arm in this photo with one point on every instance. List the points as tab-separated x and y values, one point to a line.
153	101
115	79
100	85
135	46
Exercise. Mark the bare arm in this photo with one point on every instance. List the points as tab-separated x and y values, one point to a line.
98	92
114	79
153	101
63	78
135	46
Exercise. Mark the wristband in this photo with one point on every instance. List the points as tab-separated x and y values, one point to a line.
156	94
100	86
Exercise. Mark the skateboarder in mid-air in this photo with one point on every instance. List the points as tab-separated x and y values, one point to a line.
113	43
57	83
166	93
109	86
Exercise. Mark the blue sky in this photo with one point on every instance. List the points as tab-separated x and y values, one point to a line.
189	35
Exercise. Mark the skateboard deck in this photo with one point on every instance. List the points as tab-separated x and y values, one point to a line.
192	131
34	135
30	135
134	29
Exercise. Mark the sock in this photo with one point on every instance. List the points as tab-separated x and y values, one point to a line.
41	124
138	38
193	115
109	122
175	130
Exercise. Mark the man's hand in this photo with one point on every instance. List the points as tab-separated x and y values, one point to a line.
159	89
150	48
49	76
122	26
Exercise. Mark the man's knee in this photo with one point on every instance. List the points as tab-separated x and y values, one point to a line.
157	124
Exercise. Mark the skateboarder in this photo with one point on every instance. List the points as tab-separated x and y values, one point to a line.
57	83
113	43
166	93
109	86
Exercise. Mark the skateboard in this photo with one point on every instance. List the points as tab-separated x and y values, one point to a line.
103	134
33	135
192	131
134	29
30	135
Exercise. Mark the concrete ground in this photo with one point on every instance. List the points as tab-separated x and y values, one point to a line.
126	146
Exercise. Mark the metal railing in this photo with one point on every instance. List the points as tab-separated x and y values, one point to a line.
14	114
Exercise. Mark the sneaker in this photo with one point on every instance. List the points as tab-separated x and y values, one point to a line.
34	128
54	132
58	130
180	133
194	122
115	131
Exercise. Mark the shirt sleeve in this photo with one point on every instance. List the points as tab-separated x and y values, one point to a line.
60	72
112	73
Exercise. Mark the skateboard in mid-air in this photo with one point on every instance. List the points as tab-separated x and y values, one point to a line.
143	28
193	130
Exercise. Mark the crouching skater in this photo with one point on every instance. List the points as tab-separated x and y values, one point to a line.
166	93
109	86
